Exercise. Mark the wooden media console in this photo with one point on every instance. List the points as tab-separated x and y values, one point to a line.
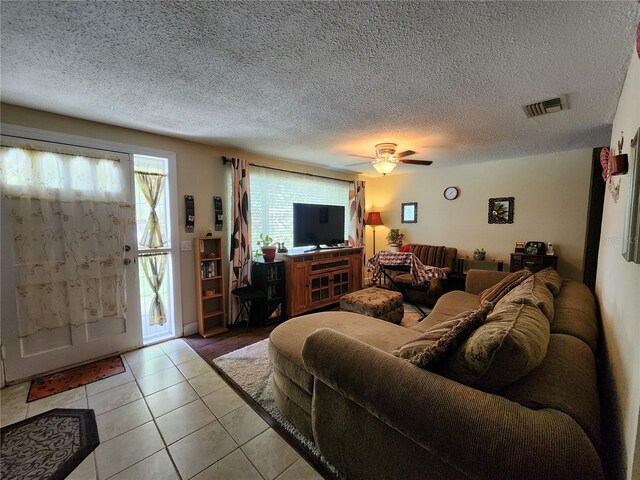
319	278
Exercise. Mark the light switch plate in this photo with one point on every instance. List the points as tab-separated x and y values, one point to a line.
186	246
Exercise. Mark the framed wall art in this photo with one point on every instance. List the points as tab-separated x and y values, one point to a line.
501	210
409	212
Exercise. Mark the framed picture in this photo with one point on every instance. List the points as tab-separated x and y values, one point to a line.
501	210
410	212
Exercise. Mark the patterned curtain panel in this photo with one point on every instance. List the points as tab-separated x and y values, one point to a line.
154	266
240	244
151	185
356	212
67	218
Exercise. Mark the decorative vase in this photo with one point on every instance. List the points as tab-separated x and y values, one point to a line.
394	247
479	255
269	253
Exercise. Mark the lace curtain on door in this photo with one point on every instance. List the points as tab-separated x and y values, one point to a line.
67	215
151	185
153	265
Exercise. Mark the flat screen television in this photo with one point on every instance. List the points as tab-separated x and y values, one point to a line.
318	225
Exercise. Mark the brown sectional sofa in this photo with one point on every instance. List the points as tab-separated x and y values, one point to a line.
375	416
434	256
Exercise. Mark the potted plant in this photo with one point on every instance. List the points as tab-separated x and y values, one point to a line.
268	248
394	239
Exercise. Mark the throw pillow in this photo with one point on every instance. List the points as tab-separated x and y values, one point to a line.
531	291
495	293
511	343
551	279
405	248
449	339
429	337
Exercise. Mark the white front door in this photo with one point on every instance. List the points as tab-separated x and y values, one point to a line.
55	348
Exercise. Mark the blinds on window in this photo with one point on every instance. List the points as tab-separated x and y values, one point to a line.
273	194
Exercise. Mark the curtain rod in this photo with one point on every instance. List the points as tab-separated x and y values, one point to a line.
65	144
226	160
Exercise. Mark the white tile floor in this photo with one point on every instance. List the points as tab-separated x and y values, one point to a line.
169	416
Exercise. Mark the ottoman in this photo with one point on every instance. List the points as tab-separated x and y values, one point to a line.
375	302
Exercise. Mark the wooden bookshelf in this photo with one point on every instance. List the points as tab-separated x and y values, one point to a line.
209	286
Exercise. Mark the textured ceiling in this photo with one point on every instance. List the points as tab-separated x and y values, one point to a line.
314	81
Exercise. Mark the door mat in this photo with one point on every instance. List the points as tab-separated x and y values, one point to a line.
48	446
74	377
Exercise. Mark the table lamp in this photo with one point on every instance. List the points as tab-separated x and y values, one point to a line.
374	219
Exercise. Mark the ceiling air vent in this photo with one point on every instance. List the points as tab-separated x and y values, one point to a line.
548	106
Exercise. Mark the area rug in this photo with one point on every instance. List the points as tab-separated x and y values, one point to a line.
48	446
74	377
250	369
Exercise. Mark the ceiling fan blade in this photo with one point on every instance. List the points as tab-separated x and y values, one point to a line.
416	162
355	164
361	156
406	153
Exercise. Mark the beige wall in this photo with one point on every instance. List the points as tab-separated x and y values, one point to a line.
199	168
551	199
618	283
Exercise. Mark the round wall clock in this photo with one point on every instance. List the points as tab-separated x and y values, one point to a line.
451	193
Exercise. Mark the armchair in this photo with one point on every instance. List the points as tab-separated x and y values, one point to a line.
435	256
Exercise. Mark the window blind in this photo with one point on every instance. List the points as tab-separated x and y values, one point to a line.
273	194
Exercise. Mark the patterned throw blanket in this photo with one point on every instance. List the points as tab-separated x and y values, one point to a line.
420	274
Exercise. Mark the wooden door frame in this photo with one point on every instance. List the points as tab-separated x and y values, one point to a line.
597	190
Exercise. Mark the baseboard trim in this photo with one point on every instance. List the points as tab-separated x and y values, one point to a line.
190	329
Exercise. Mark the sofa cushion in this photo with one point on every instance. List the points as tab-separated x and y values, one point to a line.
511	343
575	313
564	381
551	279
448	306
286	340
442	339
531	291
499	290
429	337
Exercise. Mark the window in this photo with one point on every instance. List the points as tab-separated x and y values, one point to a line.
154	267
273	194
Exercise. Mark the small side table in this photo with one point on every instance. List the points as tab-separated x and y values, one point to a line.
457	281
535	263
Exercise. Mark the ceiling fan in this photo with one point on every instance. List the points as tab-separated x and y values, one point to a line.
387	159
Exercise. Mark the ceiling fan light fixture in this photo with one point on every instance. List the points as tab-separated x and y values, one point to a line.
384	165
385	160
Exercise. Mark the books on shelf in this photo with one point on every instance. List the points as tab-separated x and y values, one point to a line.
209	269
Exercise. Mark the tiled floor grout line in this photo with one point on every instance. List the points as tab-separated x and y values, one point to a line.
154	420
199	397
218	419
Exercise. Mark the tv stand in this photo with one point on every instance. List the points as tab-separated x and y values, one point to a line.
318	248
321	277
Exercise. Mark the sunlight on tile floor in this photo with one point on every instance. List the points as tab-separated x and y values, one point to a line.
169	416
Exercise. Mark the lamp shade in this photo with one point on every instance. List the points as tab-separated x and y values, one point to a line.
374	218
